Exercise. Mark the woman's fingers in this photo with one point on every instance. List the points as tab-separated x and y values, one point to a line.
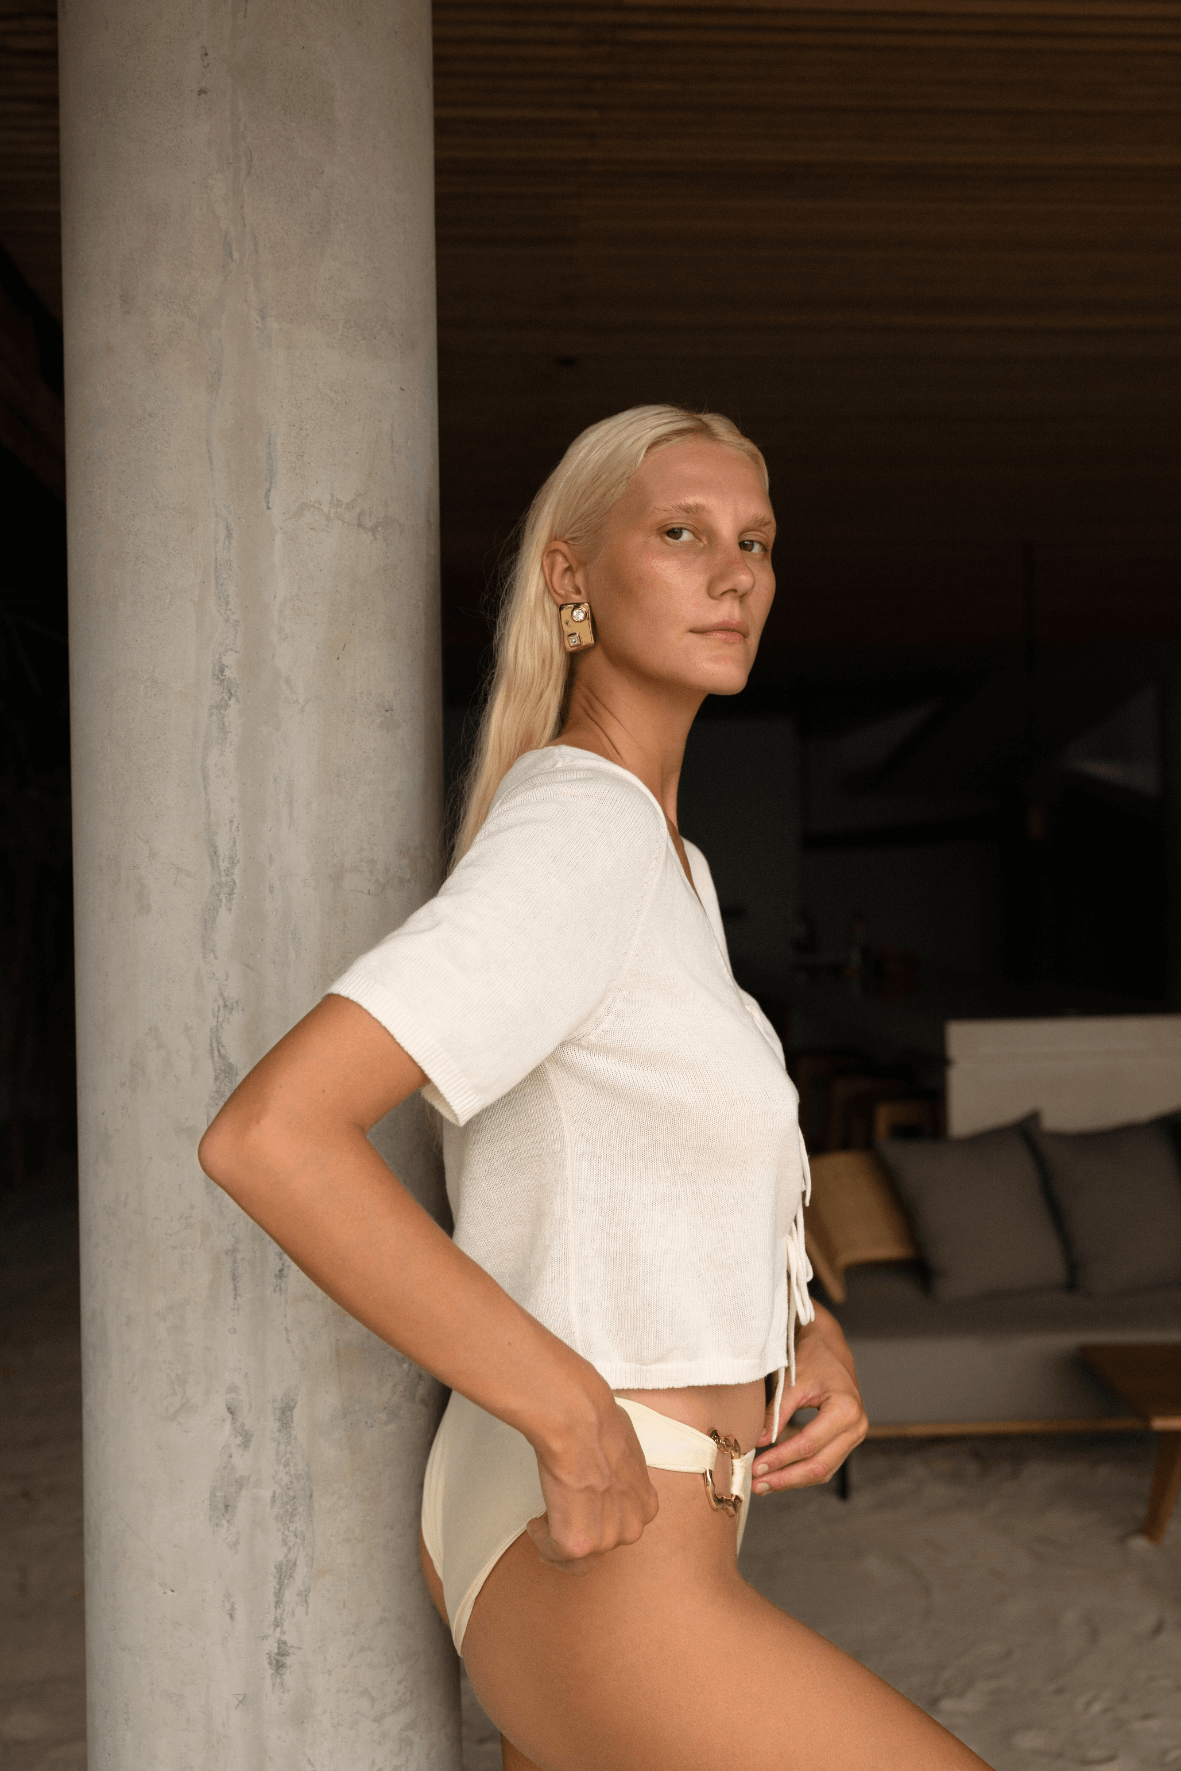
602	1498
815	1451
575	1548
553	1554
826	1380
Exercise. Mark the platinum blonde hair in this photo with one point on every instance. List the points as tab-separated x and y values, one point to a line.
531	672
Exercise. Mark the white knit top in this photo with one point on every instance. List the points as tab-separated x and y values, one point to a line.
621	1136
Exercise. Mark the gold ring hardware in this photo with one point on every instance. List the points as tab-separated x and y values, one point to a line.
723	1503
577	628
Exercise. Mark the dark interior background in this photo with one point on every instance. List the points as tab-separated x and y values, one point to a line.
929	259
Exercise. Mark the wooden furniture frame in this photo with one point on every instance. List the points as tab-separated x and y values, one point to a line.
912	1113
853	1098
1147	1375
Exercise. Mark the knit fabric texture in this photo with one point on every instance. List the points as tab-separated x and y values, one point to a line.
621	1136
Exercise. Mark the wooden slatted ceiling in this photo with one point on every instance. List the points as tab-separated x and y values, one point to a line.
688	169
930	256
30	207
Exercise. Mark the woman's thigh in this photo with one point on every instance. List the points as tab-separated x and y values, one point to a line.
661	1656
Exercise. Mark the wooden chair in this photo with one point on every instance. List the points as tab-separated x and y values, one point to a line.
855	1217
923	1116
813	1072
852	1101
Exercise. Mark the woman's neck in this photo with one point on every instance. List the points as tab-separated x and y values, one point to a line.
648	742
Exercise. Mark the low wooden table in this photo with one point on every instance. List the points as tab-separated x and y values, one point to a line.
1147	1376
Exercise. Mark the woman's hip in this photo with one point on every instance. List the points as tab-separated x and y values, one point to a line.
482	1487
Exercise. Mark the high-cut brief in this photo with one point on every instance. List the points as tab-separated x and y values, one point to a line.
482	1488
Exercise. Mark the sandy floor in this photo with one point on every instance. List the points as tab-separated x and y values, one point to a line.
1001	1584
1004	1586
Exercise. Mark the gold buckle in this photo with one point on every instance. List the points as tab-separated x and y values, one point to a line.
724	1503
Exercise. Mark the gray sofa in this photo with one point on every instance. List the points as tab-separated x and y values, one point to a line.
929	1356
996	1362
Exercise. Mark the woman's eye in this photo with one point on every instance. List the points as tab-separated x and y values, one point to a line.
752	545
676	531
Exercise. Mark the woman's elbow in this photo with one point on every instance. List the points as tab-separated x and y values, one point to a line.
233	1151
251	1153
215	1152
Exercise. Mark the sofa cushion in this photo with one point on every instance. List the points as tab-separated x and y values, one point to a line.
979	1211
894	1302
1118	1195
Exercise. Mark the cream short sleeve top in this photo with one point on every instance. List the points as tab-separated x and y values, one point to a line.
620	1133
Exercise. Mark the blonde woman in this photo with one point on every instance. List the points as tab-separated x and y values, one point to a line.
622	1314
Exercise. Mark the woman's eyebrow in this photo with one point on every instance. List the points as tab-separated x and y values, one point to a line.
696	507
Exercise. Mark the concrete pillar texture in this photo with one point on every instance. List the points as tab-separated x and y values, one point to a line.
251	459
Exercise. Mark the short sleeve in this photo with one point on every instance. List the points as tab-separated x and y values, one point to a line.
524	944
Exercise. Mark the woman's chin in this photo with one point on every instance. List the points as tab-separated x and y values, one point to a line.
719	677
730	681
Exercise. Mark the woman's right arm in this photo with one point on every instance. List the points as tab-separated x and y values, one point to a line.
290	1146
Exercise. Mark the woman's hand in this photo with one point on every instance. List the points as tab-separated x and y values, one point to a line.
291	1147
825	1379
598	1492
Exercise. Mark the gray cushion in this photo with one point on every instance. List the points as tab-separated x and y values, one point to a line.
979	1212
1118	1195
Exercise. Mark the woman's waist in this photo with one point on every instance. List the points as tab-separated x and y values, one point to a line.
736	1410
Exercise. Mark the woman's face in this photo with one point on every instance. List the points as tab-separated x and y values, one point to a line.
682	582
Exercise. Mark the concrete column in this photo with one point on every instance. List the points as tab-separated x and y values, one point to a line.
251	462
1170	729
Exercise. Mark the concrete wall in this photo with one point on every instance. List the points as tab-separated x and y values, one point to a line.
251	452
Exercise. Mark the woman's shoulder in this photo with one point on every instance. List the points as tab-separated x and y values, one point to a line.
572	784
572	817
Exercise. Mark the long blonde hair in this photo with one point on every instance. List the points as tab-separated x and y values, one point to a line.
531	671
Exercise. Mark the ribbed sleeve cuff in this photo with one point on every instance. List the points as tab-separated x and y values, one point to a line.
448	1089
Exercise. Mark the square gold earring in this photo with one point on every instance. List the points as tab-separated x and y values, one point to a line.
577	628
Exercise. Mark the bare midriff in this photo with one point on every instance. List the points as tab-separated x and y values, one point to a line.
734	1409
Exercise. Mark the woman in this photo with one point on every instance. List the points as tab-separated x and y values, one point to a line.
622	1314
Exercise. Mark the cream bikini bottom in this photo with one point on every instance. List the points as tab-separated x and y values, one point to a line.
482	1488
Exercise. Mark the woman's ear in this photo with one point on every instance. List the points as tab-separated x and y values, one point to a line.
563	573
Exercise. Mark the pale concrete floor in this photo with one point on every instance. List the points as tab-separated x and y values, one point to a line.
1002	1584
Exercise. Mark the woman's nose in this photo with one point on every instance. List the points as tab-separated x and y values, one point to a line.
737	576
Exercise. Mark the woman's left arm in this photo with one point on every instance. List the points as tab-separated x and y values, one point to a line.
826	1380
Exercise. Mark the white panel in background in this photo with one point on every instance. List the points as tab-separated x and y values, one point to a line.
1083	1072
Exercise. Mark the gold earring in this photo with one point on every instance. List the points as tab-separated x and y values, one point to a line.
577	628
